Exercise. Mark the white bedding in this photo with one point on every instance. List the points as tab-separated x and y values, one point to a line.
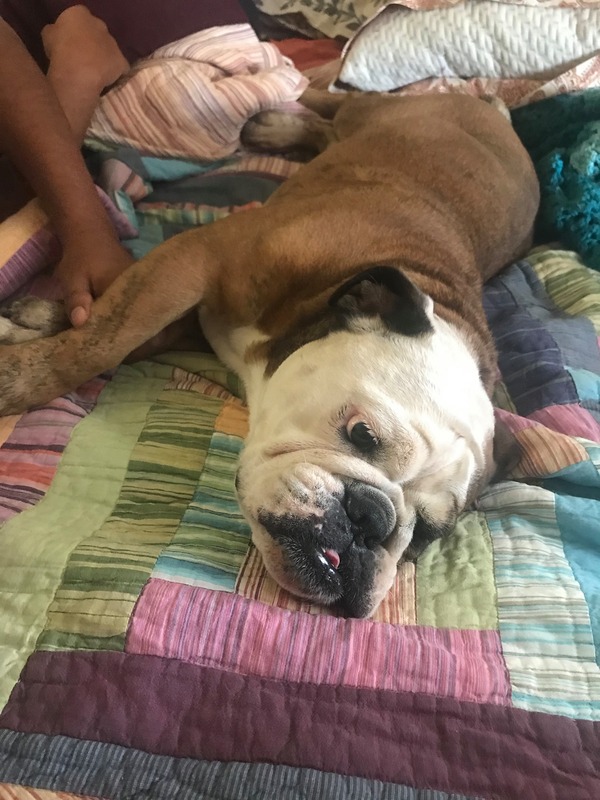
399	46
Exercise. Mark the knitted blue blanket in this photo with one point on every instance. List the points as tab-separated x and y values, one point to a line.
562	135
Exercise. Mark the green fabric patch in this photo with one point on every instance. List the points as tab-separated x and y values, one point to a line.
81	496
455	579
108	569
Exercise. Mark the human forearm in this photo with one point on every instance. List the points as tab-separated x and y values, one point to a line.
37	137
77	101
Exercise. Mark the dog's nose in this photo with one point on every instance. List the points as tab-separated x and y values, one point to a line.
371	513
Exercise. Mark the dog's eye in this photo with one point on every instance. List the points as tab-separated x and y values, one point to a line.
362	437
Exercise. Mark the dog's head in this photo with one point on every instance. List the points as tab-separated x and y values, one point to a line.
365	444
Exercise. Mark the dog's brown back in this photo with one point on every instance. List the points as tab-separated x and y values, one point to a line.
439	186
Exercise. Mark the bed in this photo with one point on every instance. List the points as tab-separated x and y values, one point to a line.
146	653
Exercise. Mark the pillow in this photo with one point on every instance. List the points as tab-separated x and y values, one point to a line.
400	46
332	18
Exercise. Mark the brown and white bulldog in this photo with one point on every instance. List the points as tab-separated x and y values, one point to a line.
350	306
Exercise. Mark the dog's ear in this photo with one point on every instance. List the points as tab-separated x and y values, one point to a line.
387	293
504	455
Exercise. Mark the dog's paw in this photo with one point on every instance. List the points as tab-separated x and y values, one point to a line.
31	318
274	131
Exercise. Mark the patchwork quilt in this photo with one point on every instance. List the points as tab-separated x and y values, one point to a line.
145	652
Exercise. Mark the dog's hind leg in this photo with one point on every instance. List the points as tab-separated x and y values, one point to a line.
323	103
280	131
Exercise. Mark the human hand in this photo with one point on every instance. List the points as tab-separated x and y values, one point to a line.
85	271
80	45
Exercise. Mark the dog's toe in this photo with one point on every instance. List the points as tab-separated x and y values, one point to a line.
273	130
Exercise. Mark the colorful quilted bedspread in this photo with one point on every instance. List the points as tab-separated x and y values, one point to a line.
145	653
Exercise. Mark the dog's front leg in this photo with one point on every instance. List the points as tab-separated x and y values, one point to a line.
149	295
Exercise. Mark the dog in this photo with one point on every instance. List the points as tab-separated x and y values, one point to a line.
350	305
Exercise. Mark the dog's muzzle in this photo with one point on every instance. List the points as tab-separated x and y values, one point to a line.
333	555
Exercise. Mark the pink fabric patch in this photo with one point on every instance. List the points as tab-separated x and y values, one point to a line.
571	419
226	631
31	455
514	422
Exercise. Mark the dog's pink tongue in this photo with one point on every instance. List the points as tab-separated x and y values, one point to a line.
333	557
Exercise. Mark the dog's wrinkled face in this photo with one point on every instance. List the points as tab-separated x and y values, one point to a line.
361	442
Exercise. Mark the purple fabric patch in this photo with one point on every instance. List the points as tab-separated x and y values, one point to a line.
36	254
530	359
170	707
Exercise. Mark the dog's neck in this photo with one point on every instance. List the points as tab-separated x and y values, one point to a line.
460	304
273	339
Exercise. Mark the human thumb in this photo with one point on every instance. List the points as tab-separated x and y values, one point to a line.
78	303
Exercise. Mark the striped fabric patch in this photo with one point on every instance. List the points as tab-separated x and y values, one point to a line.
114	773
12	792
186	215
212	537
543	451
32	450
569	283
217	629
544	620
259	164
25	246
106	572
570	419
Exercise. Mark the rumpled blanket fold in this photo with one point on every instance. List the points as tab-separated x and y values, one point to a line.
191	99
